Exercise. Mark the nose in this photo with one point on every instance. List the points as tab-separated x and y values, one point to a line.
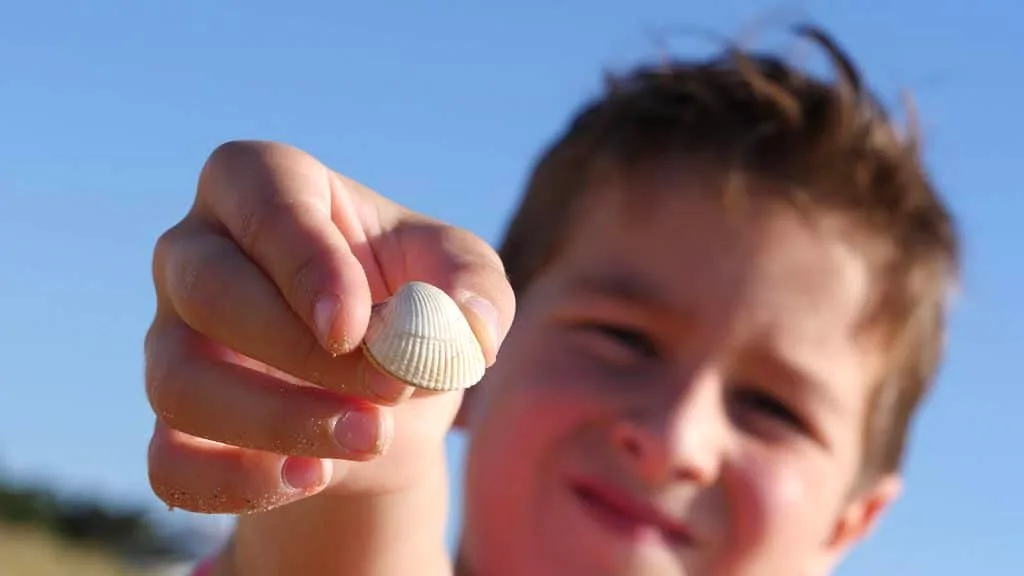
678	440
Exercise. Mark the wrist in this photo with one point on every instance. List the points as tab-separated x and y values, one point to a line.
399	532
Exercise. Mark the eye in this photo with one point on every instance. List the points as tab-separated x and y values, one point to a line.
630	339
766	405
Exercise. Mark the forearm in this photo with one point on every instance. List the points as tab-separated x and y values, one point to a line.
396	534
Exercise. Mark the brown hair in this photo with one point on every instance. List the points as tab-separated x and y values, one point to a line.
833	146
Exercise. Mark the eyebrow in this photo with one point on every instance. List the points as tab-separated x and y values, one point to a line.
624	287
645	298
803	380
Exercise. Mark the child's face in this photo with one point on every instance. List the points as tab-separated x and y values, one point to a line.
681	393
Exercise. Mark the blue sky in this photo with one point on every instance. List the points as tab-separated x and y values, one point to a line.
110	107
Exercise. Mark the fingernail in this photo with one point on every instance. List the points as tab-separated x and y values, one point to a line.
361	432
324	313
487	312
302	473
381	386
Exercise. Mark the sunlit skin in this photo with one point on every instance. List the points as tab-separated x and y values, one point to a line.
706	370
682	391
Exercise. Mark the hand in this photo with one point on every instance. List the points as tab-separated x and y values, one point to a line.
253	366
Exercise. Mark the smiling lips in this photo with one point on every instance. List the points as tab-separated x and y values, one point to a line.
630	516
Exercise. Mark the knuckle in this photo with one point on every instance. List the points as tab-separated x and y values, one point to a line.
279	434
304	282
196	283
473	251
270	219
311	366
159	467
278	430
162	377
254	218
225	177
167	480
300	273
164	249
233	156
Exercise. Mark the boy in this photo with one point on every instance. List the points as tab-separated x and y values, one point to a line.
730	285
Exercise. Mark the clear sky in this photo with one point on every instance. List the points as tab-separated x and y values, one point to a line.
108	109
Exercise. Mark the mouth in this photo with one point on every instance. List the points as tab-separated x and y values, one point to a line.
629	516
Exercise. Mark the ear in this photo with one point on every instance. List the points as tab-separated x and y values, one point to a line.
861	515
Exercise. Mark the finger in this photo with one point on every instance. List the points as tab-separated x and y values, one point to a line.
200	476
220	293
195	390
276	202
463	265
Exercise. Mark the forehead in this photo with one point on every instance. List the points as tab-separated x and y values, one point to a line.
678	228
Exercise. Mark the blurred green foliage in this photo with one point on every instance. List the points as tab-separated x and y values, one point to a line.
84	521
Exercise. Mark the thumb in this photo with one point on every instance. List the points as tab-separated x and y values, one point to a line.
458	262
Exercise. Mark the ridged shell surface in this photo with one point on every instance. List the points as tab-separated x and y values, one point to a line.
420	336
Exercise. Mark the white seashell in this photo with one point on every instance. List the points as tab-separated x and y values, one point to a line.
420	336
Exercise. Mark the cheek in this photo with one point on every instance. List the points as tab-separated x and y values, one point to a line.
538	391
522	426
523	421
773	500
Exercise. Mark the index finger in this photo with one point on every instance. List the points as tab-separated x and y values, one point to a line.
277	203
332	246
